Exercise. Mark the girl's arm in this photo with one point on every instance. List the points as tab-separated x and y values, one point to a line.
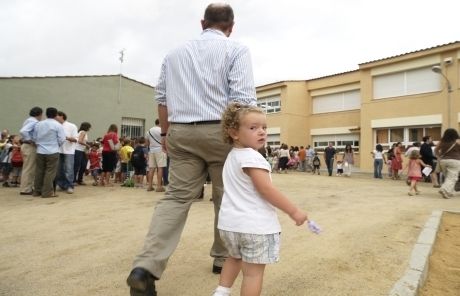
263	184
81	139
422	163
406	167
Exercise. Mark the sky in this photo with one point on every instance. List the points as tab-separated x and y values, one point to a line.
288	39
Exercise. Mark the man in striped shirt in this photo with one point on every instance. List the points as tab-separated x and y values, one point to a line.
197	82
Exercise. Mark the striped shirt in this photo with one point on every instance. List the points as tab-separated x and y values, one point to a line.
199	79
27	130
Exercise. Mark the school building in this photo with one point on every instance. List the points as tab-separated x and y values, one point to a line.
99	100
395	99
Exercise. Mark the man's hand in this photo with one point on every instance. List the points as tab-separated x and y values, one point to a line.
163	145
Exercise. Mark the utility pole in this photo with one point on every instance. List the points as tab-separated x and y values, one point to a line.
121	58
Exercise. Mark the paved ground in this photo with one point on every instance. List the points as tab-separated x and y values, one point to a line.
83	244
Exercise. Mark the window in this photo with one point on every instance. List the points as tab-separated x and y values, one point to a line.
396	135
273	140
416	134
270	104
132	127
387	136
338	141
382	136
433	132
349	100
410	82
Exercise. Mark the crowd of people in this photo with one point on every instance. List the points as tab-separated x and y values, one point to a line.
51	154
307	159
440	159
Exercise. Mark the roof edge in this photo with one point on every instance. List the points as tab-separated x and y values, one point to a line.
76	76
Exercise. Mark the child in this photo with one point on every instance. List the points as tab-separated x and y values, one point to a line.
316	164
5	161
139	162
125	155
16	162
339	168
248	223
414	171
95	158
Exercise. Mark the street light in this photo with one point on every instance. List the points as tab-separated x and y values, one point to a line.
122	55
438	70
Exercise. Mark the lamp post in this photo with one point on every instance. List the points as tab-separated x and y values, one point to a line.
438	70
122	55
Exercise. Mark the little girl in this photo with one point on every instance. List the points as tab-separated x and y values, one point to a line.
248	223
414	172
95	158
339	168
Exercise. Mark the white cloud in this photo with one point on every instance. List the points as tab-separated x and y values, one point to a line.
288	39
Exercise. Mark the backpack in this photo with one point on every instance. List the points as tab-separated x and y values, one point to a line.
4	153
16	158
316	161
138	157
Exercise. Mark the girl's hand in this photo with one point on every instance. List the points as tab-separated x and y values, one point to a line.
299	217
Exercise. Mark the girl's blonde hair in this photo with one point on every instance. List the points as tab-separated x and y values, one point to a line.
414	154
232	116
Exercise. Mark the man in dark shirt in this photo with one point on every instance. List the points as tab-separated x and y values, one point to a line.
428	157
329	156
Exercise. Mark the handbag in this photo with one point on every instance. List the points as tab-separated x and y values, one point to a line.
438	165
114	147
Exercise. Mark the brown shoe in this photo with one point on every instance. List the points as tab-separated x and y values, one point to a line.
160	189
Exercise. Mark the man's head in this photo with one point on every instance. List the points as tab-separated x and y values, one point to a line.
51	112
218	16
61	117
36	112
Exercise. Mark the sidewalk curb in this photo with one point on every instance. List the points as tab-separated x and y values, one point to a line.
415	275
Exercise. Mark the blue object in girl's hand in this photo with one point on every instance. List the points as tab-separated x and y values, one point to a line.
314	227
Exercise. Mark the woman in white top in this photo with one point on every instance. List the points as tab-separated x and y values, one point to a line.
81	160
248	224
283	158
379	160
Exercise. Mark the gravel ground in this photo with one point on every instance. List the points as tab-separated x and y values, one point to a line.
84	244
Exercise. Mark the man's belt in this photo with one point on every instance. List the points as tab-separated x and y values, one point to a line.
199	122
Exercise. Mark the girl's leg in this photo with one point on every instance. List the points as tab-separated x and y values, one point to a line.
107	178
415	187
230	271
412	190
434	179
253	275
103	178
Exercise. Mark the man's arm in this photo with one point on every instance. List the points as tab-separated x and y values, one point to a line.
163	118
241	79
164	124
